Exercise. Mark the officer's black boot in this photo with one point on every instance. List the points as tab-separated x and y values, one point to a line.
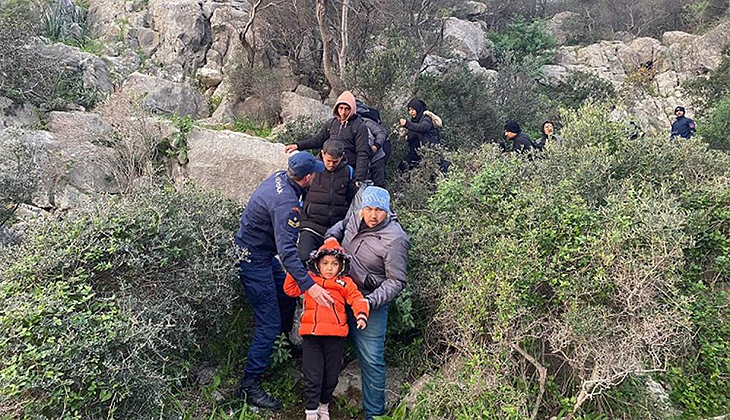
251	391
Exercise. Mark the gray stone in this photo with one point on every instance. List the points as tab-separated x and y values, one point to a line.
256	109
468	39
94	71
148	40
667	83
435	64
17	114
307	92
234	163
670	38
490	75
294	106
162	96
471	10
209	77
554	75
565	27
350	385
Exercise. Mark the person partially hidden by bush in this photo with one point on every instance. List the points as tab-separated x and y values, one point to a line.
516	139
423	128
378	141
683	127
328	198
323	328
347	127
378	246
548	136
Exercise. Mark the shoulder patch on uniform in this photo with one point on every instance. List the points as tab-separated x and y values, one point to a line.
341	282
294	218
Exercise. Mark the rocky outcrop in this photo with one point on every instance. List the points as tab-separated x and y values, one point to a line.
162	96
16	114
294	106
468	39
233	162
94	71
565	27
471	10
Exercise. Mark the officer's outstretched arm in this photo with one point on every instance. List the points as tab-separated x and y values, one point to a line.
286	231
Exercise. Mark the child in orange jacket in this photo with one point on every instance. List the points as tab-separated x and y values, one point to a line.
324	328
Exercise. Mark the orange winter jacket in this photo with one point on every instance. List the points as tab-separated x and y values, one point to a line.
329	321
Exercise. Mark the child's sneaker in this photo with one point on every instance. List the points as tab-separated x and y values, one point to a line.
324	412
311	414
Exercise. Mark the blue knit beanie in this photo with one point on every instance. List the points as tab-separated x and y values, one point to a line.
376	197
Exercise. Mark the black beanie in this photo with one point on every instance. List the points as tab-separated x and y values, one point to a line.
679	108
512	127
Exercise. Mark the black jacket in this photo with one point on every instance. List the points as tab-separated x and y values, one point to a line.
328	199
683	127
521	143
353	134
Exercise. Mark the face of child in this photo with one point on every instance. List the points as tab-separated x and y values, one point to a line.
549	129
329	266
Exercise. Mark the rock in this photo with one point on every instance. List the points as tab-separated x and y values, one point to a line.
294	106
350	385
435	64
566	27
412	398
94	71
471	10
469	40
566	56
17	114
667	83
184	35
233	162
148	40
640	52
256	109
307	92
209	77
121	66
490	75
162	96
77	126
673	37
553	75
602	58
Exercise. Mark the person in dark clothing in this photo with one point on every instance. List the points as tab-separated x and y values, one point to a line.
423	128
348	127
520	141
328	198
270	226
378	140
548	136
683	127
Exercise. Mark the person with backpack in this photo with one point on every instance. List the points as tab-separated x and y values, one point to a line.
423	128
683	127
520	141
378	140
347	127
328	198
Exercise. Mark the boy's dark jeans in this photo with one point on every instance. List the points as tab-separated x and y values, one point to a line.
322	362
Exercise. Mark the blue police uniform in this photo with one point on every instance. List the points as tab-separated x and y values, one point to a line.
270	226
683	127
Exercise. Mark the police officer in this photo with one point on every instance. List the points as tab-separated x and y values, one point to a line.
270	226
683	126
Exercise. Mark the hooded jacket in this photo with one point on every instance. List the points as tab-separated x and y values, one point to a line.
351	131
683	127
329	320
544	138
424	127
379	256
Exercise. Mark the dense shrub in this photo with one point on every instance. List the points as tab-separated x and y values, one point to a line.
580	87
705	92
714	127
20	171
526	41
549	281
103	312
297	130
463	100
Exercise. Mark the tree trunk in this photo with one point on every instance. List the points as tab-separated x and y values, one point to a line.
332	77
345	38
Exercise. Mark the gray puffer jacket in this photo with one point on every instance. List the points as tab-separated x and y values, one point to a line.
379	256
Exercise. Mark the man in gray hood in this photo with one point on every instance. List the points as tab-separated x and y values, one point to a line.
378	246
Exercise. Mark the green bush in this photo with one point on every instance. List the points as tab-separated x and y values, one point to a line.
714	128
576	259
580	87
297	130
463	101
103	312
526	41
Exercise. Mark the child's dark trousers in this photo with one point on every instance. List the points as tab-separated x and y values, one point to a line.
322	362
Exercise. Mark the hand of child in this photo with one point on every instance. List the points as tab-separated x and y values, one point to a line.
361	324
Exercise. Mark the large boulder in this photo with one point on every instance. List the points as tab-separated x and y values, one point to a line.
162	96
184	36
17	114
94	71
349	385
235	163
471	10
469	40
566	27
294	106
643	51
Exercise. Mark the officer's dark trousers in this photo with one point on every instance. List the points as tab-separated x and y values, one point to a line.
322	362
263	279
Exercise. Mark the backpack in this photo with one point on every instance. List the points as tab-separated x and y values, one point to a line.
368	112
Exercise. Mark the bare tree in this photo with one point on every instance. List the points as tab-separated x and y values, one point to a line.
333	78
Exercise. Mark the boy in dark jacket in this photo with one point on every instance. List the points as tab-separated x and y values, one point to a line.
324	328
347	127
683	127
328	198
521	142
